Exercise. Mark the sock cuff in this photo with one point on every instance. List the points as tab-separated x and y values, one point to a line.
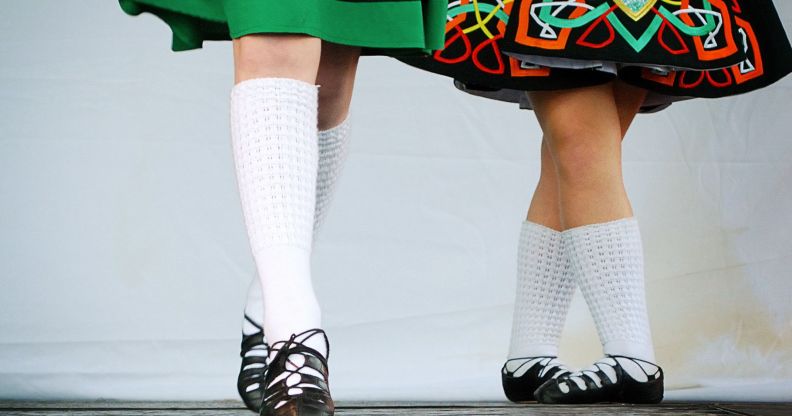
627	223
339	130
295	101
253	84
530	231
333	143
533	234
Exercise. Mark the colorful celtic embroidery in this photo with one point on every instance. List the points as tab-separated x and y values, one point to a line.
473	31
678	26
751	68
683	47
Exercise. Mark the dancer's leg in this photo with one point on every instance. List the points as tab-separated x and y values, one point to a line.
277	56
584	129
545	208
274	116
336	77
543	297
544	291
336	72
545	203
628	99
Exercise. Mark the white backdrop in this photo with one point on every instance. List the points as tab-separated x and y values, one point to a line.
124	262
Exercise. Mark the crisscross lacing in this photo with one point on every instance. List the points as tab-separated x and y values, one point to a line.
298	372
254	352
604	372
517	367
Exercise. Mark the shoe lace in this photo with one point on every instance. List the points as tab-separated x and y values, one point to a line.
607	366
254	353
516	367
301	368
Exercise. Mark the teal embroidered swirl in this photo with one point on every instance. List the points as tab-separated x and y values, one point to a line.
638	43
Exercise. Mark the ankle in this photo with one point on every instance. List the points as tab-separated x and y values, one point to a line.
628	348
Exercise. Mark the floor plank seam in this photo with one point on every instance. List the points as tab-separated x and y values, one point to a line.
731	411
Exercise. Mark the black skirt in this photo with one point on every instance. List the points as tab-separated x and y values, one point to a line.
676	49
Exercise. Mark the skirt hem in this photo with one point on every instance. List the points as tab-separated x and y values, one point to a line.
319	33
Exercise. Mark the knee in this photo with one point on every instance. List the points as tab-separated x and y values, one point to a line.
285	56
258	53
582	157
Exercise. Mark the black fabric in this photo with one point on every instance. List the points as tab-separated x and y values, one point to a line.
250	381
487	50
315	398
624	390
602	39
768	59
521	388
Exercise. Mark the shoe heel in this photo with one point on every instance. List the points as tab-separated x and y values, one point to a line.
649	392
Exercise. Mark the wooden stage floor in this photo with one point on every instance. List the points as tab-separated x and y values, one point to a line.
227	408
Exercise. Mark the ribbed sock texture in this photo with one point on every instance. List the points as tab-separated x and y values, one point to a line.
545	286
607	259
333	150
333	145
274	138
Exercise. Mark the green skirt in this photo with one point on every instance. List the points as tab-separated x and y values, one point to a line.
390	27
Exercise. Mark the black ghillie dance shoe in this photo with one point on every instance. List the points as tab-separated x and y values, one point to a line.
250	382
296	381
522	376
607	381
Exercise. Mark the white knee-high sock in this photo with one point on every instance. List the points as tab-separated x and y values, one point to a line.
274	137
545	286
333	149
609	267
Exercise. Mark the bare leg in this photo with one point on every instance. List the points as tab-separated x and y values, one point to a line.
628	102
277	56
545	208
336	79
583	132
